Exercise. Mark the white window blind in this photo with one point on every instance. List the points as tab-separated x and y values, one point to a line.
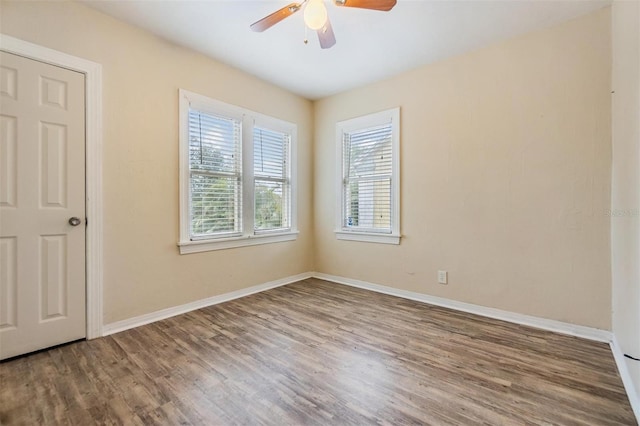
215	165
272	189
237	176
367	179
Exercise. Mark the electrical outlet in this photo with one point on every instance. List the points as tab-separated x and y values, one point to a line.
442	277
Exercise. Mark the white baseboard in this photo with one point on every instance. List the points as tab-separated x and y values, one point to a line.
542	323
621	362
118	326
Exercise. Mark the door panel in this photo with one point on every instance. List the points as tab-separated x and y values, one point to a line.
8	282
42	185
8	160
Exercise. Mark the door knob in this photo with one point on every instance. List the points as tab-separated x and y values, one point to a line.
74	221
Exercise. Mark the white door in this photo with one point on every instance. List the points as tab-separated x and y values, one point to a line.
42	205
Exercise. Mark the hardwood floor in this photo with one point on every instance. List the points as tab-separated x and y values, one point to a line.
319	353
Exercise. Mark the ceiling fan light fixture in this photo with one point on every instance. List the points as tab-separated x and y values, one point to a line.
315	14
316	17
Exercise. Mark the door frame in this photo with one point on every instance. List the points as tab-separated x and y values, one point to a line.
93	165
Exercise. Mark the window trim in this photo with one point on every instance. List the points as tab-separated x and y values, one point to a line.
249	119
359	123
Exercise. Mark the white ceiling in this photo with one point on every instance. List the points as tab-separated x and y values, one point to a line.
370	46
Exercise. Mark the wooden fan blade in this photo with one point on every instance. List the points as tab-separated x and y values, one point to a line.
277	16
326	36
384	5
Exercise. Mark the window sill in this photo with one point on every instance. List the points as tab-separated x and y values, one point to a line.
187	247
368	237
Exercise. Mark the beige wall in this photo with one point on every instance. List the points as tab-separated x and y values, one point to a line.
143	271
506	163
625	185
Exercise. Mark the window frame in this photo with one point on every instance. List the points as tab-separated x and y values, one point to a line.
357	124
249	119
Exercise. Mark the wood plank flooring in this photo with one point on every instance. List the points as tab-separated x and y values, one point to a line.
319	353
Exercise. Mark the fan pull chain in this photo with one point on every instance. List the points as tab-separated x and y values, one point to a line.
306	40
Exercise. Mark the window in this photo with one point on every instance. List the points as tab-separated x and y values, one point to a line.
215	174
271	179
369	179
236	176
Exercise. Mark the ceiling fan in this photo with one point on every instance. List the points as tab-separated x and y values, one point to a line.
316	17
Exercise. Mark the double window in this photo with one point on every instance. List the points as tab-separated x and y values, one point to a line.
237	185
369	181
